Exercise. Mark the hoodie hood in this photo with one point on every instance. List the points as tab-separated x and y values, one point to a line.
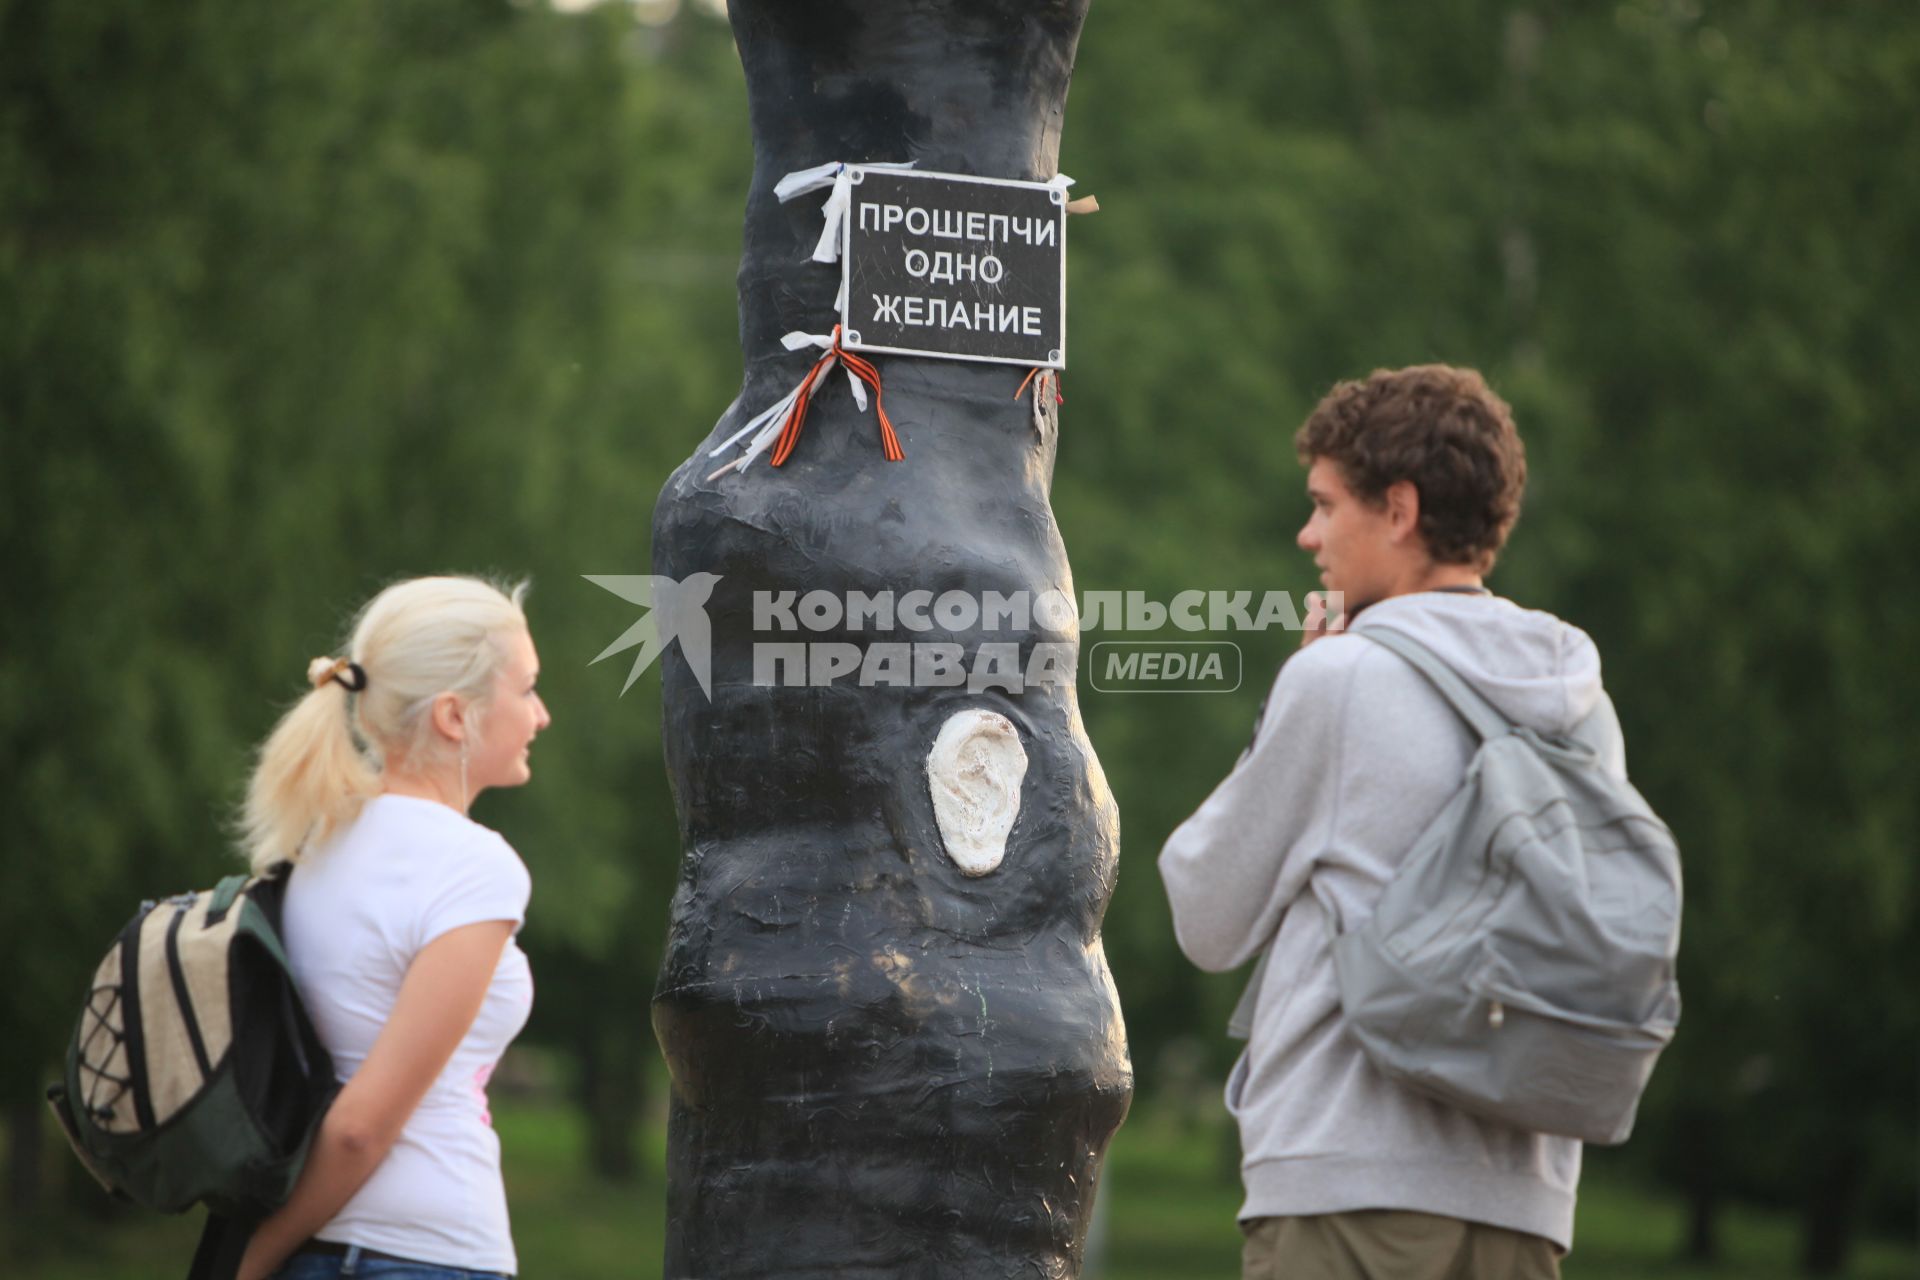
1538	671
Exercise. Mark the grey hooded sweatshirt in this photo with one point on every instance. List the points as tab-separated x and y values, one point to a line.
1353	757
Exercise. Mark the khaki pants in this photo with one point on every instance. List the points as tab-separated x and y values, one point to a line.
1391	1244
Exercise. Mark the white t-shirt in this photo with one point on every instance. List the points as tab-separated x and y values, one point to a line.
358	910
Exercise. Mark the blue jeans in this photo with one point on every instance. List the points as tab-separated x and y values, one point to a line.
356	1266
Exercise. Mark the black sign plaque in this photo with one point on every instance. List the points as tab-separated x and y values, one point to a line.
940	264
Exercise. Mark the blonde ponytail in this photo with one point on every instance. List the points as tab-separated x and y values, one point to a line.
411	643
311	778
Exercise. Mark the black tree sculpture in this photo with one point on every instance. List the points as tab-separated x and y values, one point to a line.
882	1064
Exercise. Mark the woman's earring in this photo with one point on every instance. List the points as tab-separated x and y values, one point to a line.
466	796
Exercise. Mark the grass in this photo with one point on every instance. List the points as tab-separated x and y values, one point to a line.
1170	1184
1174	1192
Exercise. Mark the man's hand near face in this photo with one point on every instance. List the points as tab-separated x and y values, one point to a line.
1323	618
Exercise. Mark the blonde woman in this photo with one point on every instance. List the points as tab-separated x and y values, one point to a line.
399	923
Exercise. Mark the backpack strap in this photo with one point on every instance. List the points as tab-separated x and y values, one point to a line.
1474	709
224	895
228	891
1240	1022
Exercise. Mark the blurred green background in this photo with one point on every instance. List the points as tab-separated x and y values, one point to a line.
299	298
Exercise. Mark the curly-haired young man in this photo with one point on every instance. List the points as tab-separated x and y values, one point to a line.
1415	476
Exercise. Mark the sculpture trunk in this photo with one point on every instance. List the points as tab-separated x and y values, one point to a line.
882	1065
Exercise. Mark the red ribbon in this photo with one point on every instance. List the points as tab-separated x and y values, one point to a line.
797	416
1059	396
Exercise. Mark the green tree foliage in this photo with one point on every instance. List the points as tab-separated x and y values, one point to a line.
1677	236
300	301
304	298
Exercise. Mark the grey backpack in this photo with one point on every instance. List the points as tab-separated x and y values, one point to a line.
1520	964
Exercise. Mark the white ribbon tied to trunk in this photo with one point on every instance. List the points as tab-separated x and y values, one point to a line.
780	423
838	175
765	426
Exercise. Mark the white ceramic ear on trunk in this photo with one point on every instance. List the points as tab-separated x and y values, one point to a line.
974	771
